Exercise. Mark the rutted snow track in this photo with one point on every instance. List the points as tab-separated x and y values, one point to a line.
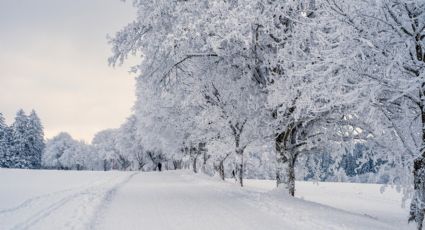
72	208
172	200
106	200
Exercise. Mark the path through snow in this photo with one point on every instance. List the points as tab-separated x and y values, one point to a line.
182	201
74	207
172	200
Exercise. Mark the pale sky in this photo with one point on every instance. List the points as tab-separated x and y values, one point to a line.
53	58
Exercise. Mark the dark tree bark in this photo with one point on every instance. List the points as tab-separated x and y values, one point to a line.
194	162
239	167
177	164
237	130
123	162
286	159
220	166
205	158
221	170
141	162
286	145
417	207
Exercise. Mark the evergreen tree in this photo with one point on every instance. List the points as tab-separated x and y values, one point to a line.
35	138
4	142
20	150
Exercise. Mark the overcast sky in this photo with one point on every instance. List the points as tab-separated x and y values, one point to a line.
53	58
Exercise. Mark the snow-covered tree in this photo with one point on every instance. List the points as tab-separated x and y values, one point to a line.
22	144
390	38
315	76
4	142
55	150
307	89
184	48
105	143
35	139
20	156
128	144
233	105
63	152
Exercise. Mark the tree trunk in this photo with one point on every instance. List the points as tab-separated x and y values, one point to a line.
195	170
205	158
239	167
141	164
241	172
177	164
417	206
221	169
291	178
285	172
237	130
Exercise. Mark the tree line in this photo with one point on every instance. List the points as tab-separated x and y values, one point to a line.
22	143
293	79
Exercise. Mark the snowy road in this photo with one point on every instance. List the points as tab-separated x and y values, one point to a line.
181	201
171	200
72	200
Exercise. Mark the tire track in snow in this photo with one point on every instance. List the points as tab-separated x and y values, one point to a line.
28	202
107	199
45	212
31	200
92	192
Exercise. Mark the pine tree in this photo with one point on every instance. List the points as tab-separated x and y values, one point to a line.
4	142
35	138
20	150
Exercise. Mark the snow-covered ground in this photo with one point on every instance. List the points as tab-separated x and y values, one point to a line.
180	200
364	199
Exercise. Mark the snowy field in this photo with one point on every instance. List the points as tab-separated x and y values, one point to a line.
180	200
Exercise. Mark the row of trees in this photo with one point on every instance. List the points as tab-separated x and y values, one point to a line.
294	78
120	149
22	143
111	149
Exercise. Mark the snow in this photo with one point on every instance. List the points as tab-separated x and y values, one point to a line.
31	199
53	199
363	199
